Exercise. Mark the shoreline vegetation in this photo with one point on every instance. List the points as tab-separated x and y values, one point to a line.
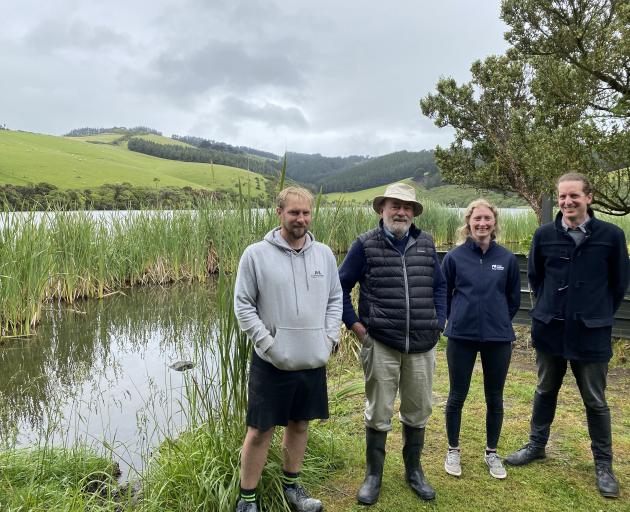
67	257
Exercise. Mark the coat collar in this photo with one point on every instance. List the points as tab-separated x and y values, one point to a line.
472	245
588	227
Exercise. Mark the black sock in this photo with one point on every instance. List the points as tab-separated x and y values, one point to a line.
248	495
289	479
489	451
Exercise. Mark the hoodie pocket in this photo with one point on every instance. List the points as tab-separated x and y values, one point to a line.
299	348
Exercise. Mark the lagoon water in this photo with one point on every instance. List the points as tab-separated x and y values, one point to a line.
98	372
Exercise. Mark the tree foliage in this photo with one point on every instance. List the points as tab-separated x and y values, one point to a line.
555	102
223	146
386	169
316	169
582	49
117	196
504	138
137	130
191	154
592	37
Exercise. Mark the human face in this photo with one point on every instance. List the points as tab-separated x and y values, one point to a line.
397	216
573	202
481	223
295	218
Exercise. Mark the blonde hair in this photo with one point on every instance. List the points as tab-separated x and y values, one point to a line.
463	232
281	200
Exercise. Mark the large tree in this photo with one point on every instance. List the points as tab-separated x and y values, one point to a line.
591	36
582	51
557	101
506	138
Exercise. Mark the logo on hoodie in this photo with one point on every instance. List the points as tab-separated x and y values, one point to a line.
498	267
317	273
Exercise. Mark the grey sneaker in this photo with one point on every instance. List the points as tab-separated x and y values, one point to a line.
452	464
300	501
246	506
495	466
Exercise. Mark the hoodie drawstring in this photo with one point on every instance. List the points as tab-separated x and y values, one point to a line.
295	293
305	272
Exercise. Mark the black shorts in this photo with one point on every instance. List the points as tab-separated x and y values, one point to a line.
277	396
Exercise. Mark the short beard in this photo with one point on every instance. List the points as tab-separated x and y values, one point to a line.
397	229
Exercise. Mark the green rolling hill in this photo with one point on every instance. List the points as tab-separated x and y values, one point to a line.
449	195
92	161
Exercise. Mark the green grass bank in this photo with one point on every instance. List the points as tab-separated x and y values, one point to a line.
85	162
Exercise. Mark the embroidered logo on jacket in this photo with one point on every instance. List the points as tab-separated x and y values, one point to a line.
317	273
498	267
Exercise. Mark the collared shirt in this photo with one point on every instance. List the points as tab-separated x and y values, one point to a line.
399	243
579	233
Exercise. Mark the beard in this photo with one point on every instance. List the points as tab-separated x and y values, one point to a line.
397	226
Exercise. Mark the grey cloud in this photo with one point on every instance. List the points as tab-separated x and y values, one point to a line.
54	34
271	114
222	64
330	77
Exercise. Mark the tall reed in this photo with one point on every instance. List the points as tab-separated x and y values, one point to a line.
68	255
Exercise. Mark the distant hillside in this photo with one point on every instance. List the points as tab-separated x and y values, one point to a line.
198	142
121	130
385	169
72	163
314	170
178	150
448	195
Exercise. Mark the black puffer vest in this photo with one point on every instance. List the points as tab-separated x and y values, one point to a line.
396	296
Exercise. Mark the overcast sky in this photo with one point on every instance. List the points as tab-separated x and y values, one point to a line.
333	77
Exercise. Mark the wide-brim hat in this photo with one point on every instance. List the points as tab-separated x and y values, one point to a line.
400	191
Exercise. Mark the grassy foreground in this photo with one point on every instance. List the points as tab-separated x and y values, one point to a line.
199	469
565	481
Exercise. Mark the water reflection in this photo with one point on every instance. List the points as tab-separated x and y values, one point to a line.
99	370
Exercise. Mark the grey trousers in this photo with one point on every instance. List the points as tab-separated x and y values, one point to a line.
591	381
388	372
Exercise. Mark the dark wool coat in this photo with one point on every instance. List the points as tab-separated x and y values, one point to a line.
578	289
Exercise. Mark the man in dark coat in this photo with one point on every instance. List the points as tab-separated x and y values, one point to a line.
578	270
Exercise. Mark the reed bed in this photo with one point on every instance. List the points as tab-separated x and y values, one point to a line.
66	256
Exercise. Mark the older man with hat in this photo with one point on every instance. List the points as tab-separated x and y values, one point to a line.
402	309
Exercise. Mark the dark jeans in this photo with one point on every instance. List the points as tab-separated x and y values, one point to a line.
495	360
591	381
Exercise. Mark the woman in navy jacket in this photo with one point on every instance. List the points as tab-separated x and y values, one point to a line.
483	295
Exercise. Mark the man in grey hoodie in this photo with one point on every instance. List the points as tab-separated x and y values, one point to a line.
287	299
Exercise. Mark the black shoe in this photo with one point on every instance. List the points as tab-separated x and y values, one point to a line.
413	445
374	460
525	455
607	484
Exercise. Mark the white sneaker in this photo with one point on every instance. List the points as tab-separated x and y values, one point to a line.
452	463
495	466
